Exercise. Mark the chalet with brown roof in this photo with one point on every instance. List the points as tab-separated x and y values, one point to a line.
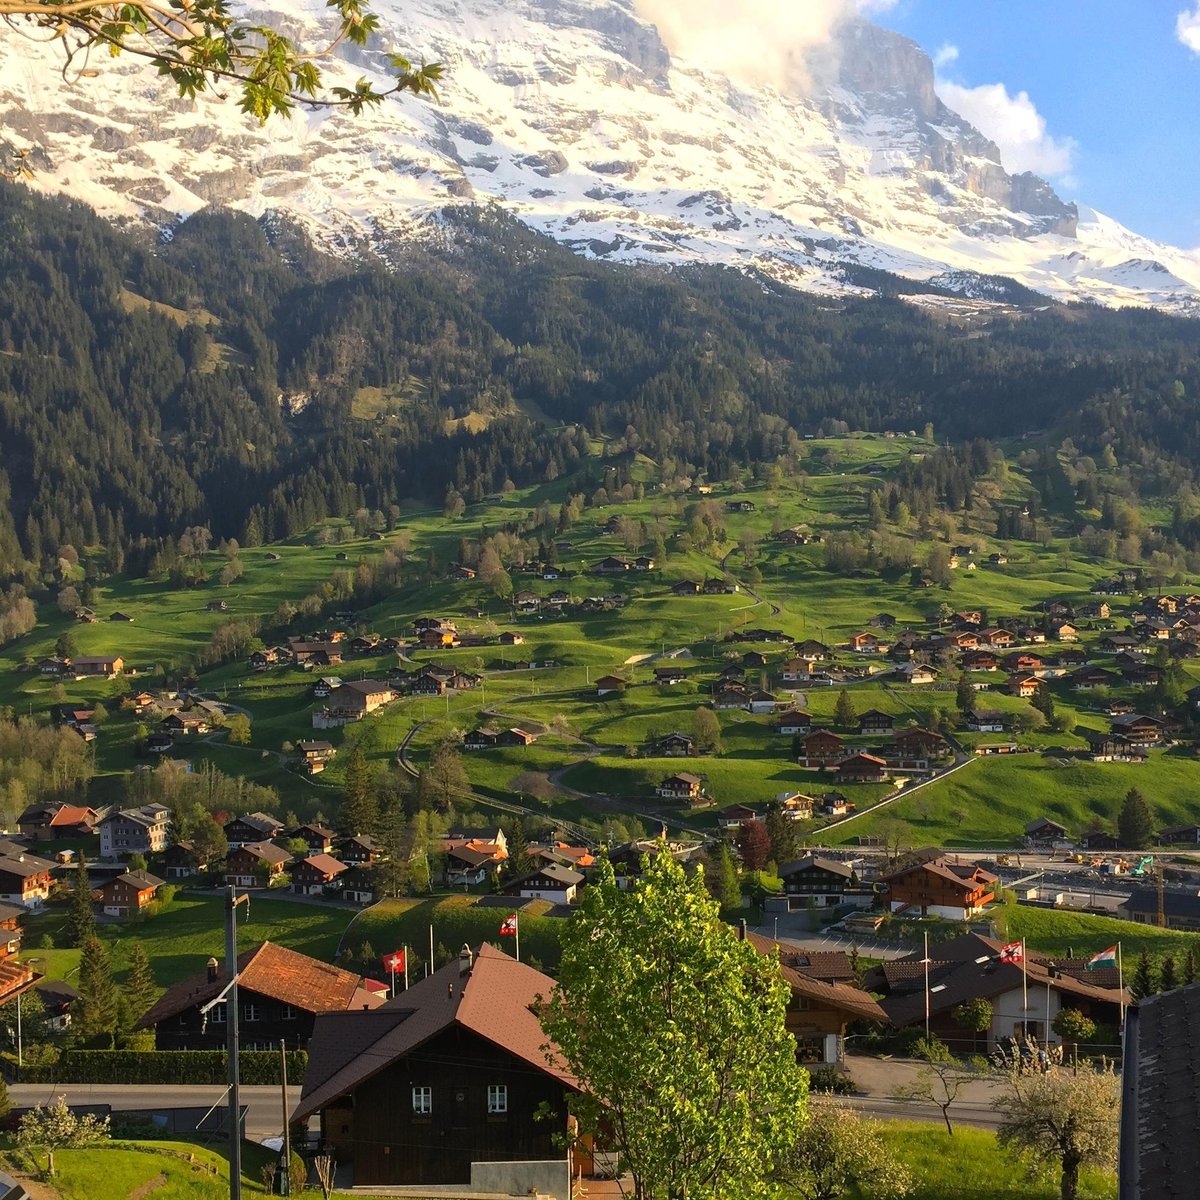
868	643
317	838
874	723
128	894
1139	730
251	828
995	637
280	993
732	816
940	887
314	875
792	722
104	665
819	1010
25	879
360	697
255	864
970	967
676	745
318	653
863	768
979	660
1024	685
821	748
825	880
684	788
919	743
551	881
610	685
455	1070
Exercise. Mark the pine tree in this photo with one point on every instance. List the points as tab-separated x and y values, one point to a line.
965	697
1143	982
81	919
729	889
517	863
1191	968
1167	978
140	989
360	809
1135	822
781	829
95	1012
844	714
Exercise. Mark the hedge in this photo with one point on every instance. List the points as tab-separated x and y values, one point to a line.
164	1066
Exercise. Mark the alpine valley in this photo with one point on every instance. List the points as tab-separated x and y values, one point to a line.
573	116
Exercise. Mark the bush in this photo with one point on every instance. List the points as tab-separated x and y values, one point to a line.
163	1066
830	1079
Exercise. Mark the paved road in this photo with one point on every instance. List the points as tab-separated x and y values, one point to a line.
264	1117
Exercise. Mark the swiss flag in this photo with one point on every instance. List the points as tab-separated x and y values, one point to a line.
509	928
1014	952
394	962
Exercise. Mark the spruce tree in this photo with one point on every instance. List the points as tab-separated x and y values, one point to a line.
729	889
1191	967
1135	822
965	696
81	919
1168	980
781	829
844	714
1143	982
360	808
140	989
95	1012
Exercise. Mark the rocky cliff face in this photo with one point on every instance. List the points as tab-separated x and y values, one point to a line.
573	116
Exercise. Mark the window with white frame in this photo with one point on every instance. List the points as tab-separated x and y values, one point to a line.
497	1097
217	1015
422	1101
250	1012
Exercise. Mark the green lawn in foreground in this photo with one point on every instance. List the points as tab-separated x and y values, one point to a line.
972	1164
181	940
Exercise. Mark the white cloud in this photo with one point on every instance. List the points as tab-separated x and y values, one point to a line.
1015	125
946	54
756	41
1187	28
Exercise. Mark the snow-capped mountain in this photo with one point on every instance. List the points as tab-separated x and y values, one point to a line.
573	116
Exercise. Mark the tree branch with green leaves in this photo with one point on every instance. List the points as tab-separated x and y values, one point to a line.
202	46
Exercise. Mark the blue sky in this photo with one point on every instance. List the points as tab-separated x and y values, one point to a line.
1113	80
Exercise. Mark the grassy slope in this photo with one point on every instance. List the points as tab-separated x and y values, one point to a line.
998	796
1061	933
181	940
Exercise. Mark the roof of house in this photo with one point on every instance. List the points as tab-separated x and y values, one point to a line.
270	970
148	814
958	977
365	687
836	995
1175	903
142	880
257	820
495	998
552	870
24	865
267	851
815	861
326	864
1160	1153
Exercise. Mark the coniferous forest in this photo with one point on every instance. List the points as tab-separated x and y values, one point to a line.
214	375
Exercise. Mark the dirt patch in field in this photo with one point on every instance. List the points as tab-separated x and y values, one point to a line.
149	1187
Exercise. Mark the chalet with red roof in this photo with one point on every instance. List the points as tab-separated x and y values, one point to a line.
939	886
280	993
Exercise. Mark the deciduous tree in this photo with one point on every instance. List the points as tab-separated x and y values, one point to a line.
706	730
754	844
58	1128
675	1029
837	1150
940	1078
1062	1120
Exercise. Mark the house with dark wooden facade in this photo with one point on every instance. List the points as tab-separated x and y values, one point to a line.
46	822
25	879
825	880
128	894
252	827
446	1079
314	875
821	748
280	993
255	864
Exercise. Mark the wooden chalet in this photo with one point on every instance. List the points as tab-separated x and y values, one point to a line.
316	874
280	993
48	822
317	838
127	894
676	745
825	880
682	787
251	827
456	1072
255	864
104	665
550	881
940	887
25	879
820	748
863	768
874	723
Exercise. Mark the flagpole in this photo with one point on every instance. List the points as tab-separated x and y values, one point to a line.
1121	983
1024	977
429	964
926	961
517	932
393	961
406	968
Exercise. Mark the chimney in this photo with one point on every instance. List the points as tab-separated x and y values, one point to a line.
450	991
213	968
742	930
465	960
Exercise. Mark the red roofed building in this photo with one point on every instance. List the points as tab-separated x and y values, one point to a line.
444	1084
941	887
312	875
280	993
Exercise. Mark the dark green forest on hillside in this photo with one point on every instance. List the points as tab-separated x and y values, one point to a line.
227	401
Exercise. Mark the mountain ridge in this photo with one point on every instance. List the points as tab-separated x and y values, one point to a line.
574	116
